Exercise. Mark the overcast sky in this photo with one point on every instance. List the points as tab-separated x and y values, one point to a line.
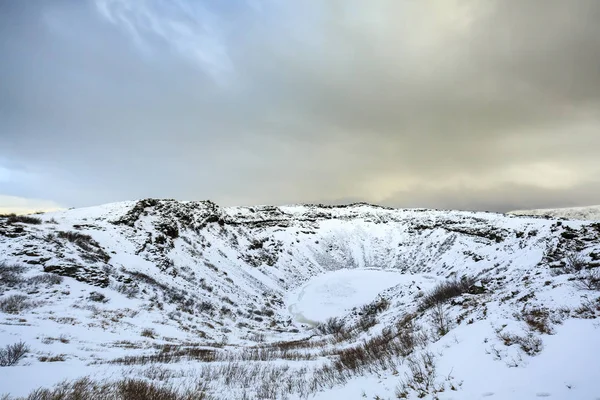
471	104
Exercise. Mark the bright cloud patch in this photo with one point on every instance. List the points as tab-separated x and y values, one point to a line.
20	205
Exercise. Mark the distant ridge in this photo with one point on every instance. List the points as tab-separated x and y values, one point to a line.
589	213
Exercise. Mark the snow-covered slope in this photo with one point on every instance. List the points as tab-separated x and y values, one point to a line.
175	292
591	213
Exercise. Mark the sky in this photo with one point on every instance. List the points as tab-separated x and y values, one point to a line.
462	104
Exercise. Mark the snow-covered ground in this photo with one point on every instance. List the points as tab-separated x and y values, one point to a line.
172	292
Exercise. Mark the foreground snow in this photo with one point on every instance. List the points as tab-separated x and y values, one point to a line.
566	369
248	285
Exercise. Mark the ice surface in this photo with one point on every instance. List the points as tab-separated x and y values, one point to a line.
335	293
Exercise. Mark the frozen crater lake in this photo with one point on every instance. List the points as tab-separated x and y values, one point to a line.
336	293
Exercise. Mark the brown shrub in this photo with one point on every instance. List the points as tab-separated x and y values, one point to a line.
446	291
12	354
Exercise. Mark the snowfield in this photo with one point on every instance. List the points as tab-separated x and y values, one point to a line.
302	301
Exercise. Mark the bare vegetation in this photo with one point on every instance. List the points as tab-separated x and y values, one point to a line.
376	307
127	389
441	321
15	304
169	354
55	358
368	313
24	219
62	338
331	326
588	280
588	309
79	239
97	297
446	291
265	354
586	274
130	290
538	320
574	262
380	352
148	332
47	279
246	368
421	378
12	353
11	275
530	344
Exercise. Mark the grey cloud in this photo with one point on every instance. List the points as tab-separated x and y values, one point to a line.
278	102
503	198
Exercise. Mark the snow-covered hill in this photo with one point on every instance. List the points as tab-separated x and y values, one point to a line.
238	299
591	213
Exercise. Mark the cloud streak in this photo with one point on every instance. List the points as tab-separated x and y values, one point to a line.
190	28
398	102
